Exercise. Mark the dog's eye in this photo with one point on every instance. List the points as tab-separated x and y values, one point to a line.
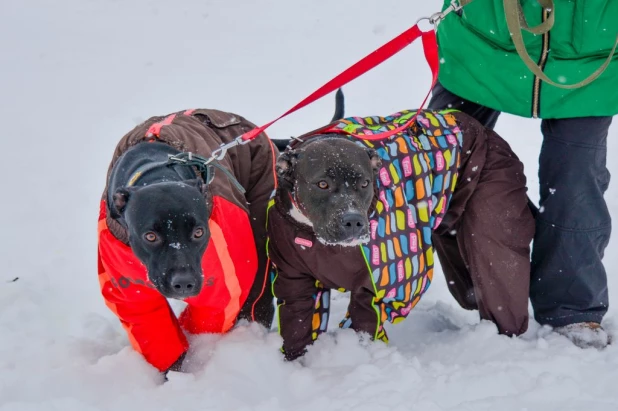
323	185
365	184
150	236
198	233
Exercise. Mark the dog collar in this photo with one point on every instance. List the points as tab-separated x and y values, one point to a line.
296	214
295	204
141	171
206	169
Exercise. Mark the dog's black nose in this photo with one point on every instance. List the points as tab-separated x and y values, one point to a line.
353	224
183	283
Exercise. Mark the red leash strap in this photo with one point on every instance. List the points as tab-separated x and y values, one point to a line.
430	47
374	59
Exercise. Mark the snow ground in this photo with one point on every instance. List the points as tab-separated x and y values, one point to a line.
77	74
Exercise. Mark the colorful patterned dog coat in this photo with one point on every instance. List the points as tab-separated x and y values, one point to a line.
414	186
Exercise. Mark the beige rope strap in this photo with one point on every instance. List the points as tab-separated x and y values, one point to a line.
516	22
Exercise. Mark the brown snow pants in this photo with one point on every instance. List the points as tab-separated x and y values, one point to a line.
484	241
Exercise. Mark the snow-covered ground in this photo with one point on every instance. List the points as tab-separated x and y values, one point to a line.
76	75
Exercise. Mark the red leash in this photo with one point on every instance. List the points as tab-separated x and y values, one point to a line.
430	47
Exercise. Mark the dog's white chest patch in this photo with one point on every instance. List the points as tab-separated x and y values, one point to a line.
300	217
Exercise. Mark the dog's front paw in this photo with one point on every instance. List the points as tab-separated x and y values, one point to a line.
177	377
174	368
293	355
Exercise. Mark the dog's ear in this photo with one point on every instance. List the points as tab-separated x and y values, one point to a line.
376	161
286	163
120	200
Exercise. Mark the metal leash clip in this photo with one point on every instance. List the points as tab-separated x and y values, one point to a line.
436	18
221	151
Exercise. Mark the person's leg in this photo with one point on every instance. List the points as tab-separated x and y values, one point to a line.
494	237
569	284
442	99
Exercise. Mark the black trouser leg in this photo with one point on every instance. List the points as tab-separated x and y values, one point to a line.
573	227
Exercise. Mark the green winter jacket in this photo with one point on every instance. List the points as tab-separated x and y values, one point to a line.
479	61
